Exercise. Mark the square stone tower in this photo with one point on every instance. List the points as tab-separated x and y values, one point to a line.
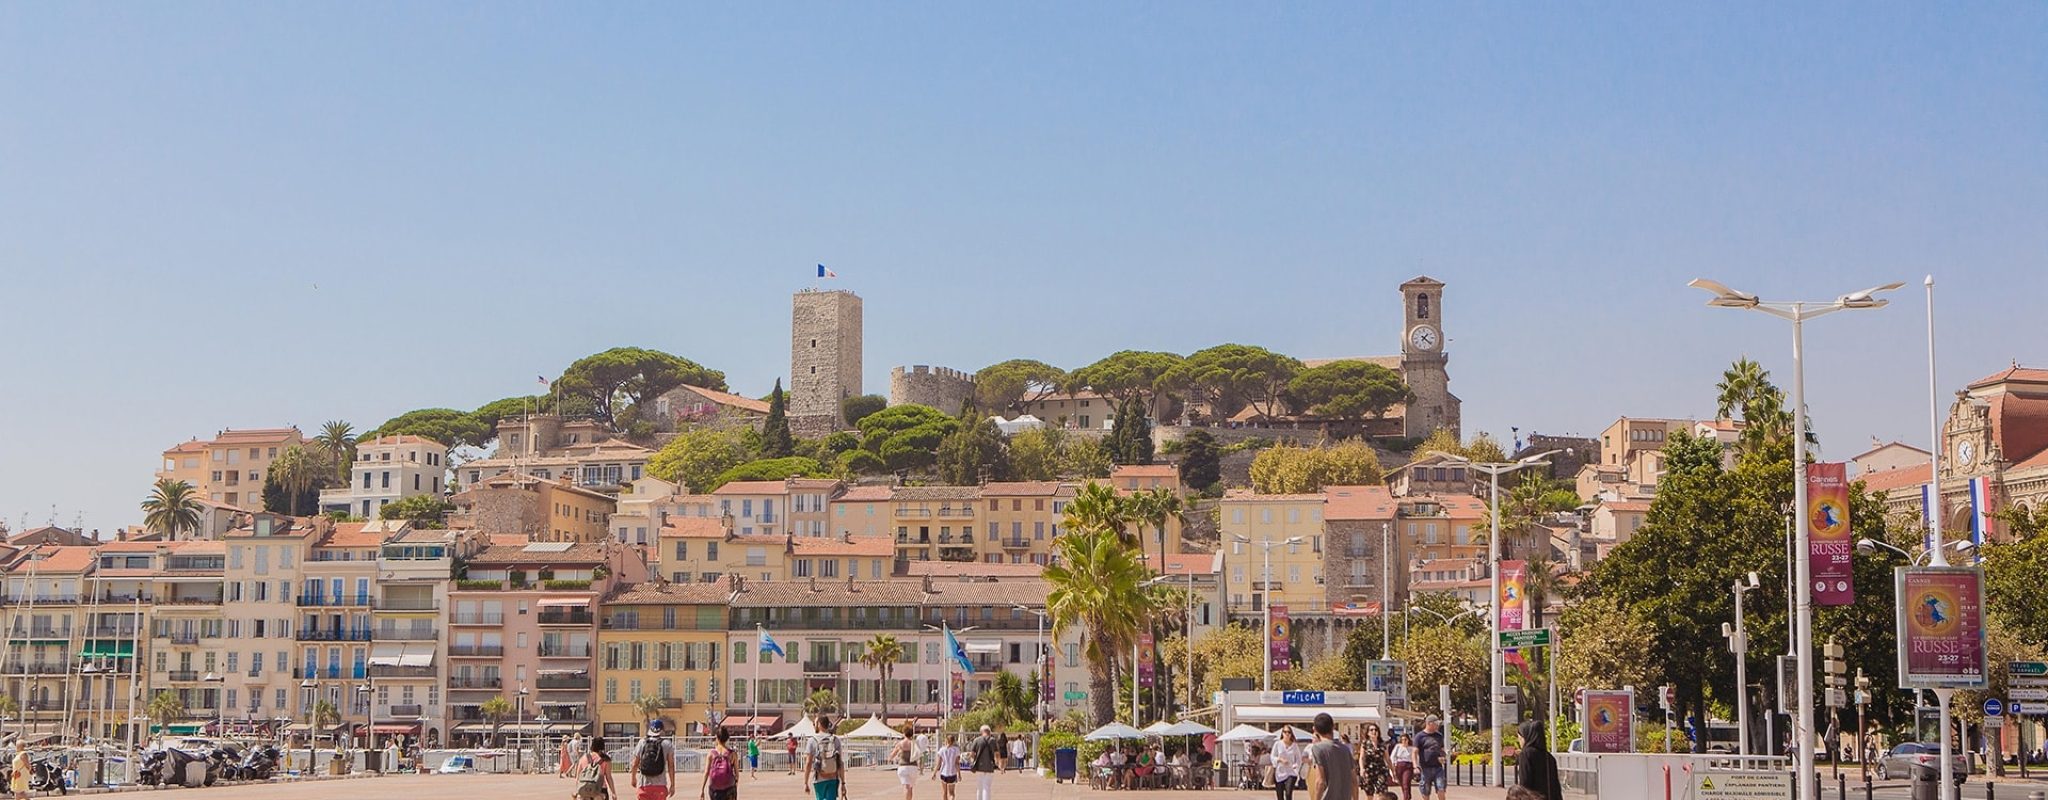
824	359
1424	362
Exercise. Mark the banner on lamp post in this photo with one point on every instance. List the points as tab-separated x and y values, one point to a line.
1610	721
1280	651
1048	689
959	692
1147	669
1513	605
1941	627
1831	545
1390	677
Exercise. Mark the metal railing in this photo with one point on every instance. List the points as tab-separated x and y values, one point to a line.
412	634
335	601
580	617
478	618
184	675
316	635
476	650
393	671
562	682
565	651
460	682
408	604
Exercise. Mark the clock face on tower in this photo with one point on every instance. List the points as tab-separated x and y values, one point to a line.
1423	337
1965	453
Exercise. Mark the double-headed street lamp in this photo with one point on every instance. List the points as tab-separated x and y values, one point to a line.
1798	312
1266	591
1931	554
1738	643
1495	667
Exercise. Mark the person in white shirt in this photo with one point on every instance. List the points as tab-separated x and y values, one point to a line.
1286	765
1402	759
946	767
1019	750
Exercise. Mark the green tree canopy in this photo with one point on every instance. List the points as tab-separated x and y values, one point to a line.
422	510
906	437
973	454
293	483
775	439
2014	588
769	469
445	425
1229	377
1015	384
695	458
858	407
1350	390
1201	466
490	413
623	376
1288	469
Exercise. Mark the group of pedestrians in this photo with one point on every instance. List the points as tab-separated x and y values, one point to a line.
1334	768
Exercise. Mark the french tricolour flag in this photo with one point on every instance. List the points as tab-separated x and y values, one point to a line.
1980	509
826	273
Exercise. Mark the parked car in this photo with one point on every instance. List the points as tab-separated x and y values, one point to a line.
458	764
1908	760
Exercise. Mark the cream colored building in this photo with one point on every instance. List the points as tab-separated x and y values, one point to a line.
261	581
387	469
229	468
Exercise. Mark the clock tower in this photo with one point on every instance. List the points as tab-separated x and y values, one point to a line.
1423	360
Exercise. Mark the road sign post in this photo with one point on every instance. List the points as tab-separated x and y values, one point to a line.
1533	637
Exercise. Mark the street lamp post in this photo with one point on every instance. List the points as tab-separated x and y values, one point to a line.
310	690
946	705
1038	690
1495	666
1266	592
220	721
1797	313
1738	643
519	726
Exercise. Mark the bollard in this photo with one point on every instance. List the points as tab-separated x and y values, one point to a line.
1841	787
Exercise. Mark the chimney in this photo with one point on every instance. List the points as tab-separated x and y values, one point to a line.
789	543
846	536
927	583
814	581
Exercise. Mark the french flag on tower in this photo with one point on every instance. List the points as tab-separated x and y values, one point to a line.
826	273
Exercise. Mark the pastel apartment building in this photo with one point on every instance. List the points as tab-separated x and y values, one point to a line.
229	468
387	469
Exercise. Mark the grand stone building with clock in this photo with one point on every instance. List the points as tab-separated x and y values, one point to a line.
1997	429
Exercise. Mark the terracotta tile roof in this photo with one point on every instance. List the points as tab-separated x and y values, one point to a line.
752	487
835	593
1020	489
249	435
671	594
403	438
2020	424
192	446
1247	495
1895	480
1358	503
982	569
815	483
506	540
540	553
1192	563
866	494
133	547
352	534
914	493
507	480
729	399
2013	373
2037	460
57	560
1145	471
1625	505
693	528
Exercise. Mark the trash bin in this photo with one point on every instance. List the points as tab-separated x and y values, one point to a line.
1063	764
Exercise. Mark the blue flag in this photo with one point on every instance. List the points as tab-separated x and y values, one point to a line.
768	644
959	653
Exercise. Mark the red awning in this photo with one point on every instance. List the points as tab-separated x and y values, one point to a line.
765	721
396	727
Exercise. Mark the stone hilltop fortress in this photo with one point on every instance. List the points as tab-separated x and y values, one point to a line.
825	365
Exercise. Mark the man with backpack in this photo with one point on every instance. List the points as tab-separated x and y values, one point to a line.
1429	758
654	764
825	764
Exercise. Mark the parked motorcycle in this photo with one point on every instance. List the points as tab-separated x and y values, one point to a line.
259	764
46	776
151	771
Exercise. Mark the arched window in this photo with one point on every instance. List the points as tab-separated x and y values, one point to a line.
1422	306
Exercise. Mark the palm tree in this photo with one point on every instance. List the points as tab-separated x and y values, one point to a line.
882	653
338	438
1740	385
822	701
649	707
1098	507
1098	586
165	707
1008	697
495	710
296	471
8	709
171	508
1154	507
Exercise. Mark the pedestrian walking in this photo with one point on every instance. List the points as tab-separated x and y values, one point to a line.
1535	767
946	767
654	764
790	748
1287	764
988	755
1373	771
904	757
825	763
1403	760
1429	758
721	769
753	755
1333	770
593	773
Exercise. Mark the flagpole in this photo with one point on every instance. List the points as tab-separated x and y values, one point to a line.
759	653
1934	427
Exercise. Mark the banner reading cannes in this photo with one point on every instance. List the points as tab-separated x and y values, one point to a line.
1830	546
1941	627
1278	652
1146	668
1610	721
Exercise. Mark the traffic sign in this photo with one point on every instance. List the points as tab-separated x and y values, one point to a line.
1534	637
1075	696
2034	668
2014	709
1993	707
2024	693
1837	698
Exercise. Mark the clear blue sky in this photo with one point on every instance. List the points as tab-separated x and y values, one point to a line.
241	215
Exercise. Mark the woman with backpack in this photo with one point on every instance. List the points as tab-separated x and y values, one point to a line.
721	769
593	773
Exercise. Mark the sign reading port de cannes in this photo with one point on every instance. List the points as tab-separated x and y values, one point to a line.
1610	721
1831	548
1941	627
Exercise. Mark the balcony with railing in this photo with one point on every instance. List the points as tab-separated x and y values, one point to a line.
564	712
476	650
417	633
477	618
905	537
405	711
571	650
956	538
475	682
197	598
397	671
184	675
36	668
1016	543
575	680
333	635
579	617
39	632
113	631
333	600
331	672
823	667
408	604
